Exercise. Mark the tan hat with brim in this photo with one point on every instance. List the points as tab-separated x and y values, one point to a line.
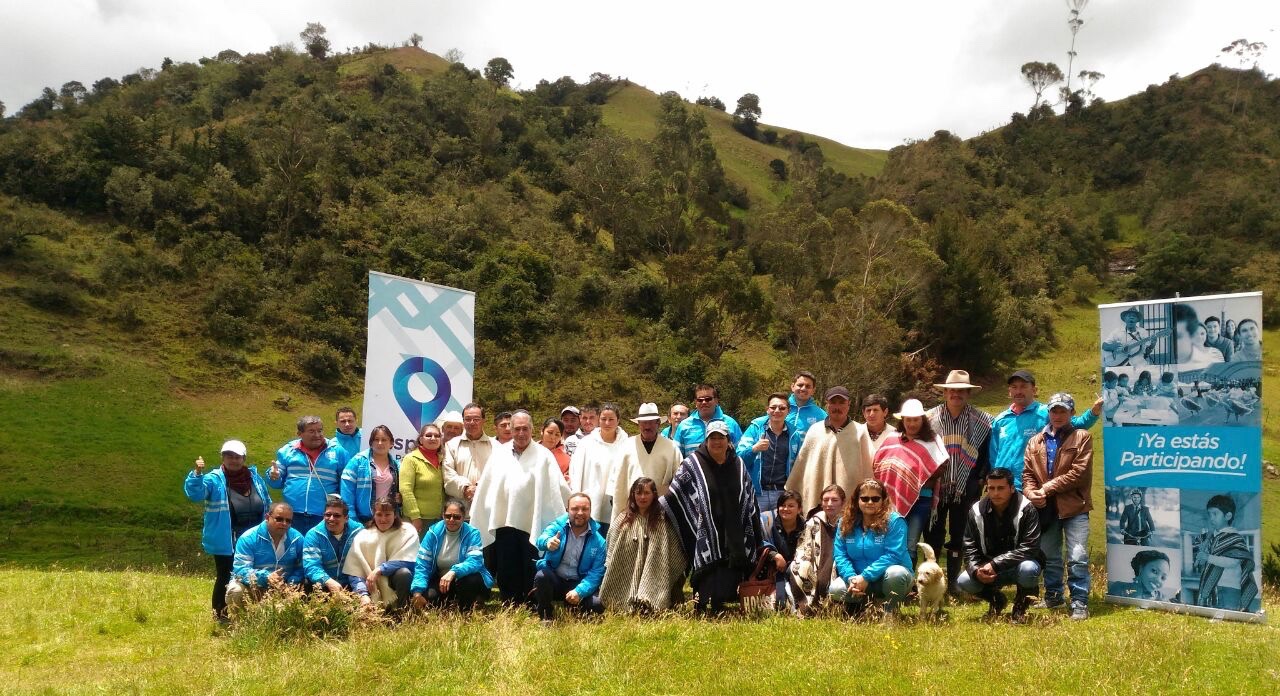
957	379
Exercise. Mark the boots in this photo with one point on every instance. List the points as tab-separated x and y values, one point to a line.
996	601
1021	602
955	564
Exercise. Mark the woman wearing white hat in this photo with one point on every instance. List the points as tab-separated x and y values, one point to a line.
910	465
235	500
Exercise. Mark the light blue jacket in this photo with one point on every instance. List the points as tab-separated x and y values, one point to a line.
470	556
323	555
211	488
1010	433
590	565
801	418
870	554
693	430
357	485
751	460
350	443
304	490
255	557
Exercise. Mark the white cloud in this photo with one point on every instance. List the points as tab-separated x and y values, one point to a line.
868	74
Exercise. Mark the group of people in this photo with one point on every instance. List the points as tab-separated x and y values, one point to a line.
1195	342
822	508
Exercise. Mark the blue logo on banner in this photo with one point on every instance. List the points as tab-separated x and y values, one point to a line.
1211	458
417	412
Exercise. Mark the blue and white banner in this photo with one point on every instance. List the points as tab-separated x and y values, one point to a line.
1182	442
420	360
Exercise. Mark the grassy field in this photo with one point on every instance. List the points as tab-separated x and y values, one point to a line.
633	111
128	632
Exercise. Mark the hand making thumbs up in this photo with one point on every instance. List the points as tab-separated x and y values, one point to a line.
554	542
199	466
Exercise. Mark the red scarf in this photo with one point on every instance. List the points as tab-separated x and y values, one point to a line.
432	456
240	481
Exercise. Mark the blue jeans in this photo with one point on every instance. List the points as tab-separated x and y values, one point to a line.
1026	576
768	501
917	522
1074	531
892	587
304	522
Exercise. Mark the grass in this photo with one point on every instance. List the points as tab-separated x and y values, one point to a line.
83	632
633	111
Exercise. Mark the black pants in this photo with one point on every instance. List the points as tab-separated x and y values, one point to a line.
400	582
715	587
222	575
549	588
955	516
464	591
511	559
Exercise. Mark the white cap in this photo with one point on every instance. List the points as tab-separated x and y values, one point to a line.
449	417
234	447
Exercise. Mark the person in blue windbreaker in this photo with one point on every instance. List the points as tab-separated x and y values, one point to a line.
1025	417
804	410
348	433
370	475
235	500
267	556
325	547
871	550
693	430
308	469
572	566
768	449
450	565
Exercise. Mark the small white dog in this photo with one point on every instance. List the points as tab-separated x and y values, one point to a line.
931	584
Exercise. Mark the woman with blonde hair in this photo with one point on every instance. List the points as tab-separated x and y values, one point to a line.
871	550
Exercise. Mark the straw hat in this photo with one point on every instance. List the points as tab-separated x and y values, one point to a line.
957	379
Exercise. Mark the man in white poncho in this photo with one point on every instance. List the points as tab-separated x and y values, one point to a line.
520	492
647	455
594	467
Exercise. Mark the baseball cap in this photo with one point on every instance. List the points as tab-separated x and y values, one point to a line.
570	409
1062	399
836	392
234	447
1022	375
717	427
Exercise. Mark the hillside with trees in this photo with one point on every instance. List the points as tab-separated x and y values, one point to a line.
218	219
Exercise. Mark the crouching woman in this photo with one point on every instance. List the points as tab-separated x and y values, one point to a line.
871	550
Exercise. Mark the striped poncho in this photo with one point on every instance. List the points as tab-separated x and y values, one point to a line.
904	466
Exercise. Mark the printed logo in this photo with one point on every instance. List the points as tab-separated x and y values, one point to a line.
420	413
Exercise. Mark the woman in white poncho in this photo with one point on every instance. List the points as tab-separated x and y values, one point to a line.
380	563
594	467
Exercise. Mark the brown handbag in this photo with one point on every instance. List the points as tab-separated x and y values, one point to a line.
753	586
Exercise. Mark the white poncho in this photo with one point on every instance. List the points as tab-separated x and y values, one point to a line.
525	492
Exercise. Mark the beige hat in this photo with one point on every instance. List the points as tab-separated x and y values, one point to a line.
449	417
957	379
911	408
649	412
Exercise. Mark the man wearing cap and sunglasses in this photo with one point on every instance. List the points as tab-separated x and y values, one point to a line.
1025	417
964	431
1057	475
235	500
836	450
693	430
647	455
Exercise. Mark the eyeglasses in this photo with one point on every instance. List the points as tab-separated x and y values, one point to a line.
869	498
283	520
705	399
432	435
452	516
779	408
334	515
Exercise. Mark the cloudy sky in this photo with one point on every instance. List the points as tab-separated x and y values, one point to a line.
870	74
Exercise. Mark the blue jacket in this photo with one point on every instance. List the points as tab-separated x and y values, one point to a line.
211	488
590	566
751	460
470	556
870	554
1010	433
350	443
693	430
303	490
323	555
255	557
801	418
357	485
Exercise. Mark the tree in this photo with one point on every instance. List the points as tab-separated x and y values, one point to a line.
166	64
713	102
1074	22
1089	78
1	109
71	94
499	71
415	39
1247	54
454	55
1040	76
747	114
228	55
313	39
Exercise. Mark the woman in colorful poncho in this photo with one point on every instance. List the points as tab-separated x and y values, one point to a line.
910	465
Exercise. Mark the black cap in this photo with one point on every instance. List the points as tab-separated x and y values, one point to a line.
1022	375
836	392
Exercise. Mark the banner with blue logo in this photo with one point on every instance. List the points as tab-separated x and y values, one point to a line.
1182	443
420	359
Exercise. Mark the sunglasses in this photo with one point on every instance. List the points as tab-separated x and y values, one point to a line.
452	516
283	520
779	408
705	399
333	515
869	498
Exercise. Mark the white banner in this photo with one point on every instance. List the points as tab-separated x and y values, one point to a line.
420	359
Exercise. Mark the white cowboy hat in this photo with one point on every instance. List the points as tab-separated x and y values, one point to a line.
649	412
911	408
957	379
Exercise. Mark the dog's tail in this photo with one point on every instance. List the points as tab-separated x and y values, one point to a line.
928	552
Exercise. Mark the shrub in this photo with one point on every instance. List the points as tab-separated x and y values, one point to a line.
61	299
1271	567
321	364
288	614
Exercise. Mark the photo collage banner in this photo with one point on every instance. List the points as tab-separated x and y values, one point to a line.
1182	433
420	360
